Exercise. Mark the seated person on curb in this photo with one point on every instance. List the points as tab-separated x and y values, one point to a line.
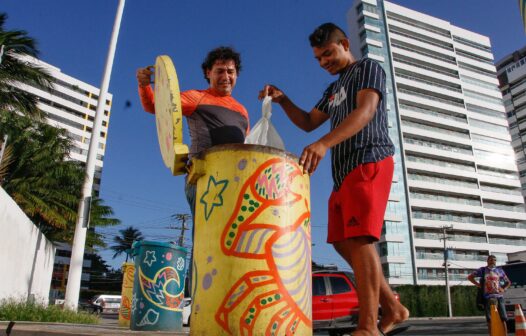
495	283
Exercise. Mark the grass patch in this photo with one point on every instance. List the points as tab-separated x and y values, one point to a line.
16	310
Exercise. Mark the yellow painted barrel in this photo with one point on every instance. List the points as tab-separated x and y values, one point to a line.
252	244
128	270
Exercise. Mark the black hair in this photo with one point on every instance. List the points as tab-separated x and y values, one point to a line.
327	32
223	54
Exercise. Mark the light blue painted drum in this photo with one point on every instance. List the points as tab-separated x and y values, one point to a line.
158	289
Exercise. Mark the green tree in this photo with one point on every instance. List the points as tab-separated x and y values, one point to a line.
16	70
45	183
124	242
36	169
41	179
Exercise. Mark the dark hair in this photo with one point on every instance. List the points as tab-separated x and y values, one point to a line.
222	54
327	32
491	256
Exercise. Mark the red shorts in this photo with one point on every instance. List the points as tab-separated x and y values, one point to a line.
357	209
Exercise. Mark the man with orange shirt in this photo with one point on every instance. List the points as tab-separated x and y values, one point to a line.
213	116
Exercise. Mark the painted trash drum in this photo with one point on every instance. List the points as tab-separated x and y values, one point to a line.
158	288
128	270
252	243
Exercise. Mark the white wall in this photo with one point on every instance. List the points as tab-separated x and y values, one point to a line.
26	256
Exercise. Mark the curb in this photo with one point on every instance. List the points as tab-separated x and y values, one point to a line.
23	328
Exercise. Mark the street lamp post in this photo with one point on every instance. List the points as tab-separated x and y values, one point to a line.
448	293
79	240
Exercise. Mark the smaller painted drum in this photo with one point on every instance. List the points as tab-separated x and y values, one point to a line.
158	289
128	270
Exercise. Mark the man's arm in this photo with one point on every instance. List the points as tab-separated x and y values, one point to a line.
507	282
366	103
145	90
471	279
307	121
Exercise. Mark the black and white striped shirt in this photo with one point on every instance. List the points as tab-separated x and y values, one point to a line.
372	143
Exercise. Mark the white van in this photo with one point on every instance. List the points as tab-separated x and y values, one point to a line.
106	303
516	271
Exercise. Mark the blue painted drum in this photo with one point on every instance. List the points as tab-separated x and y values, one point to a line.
158	289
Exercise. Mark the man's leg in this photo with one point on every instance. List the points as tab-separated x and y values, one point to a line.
361	254
502	313
190	193
393	312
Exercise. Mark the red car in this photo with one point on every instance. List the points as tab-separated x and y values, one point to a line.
335	302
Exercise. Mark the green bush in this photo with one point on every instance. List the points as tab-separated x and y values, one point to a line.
431	301
17	310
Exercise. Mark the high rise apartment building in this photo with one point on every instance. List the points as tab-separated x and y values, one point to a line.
455	168
511	72
71	105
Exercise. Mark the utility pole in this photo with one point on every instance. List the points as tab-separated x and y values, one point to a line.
181	218
448	293
81	227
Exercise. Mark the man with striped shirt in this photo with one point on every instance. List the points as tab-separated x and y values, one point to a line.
362	167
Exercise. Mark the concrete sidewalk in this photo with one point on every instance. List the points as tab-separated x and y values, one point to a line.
65	329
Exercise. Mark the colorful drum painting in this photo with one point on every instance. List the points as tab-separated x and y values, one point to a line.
128	270
252	243
158	288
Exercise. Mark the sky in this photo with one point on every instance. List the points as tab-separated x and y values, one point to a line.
272	37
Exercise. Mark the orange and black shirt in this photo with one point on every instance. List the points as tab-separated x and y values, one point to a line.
212	119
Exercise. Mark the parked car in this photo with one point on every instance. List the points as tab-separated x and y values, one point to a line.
335	302
105	303
187	310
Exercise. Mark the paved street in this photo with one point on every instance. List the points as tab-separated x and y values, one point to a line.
475	326
443	326
108	326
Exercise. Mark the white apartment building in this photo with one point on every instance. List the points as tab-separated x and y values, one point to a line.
455	164
511	72
71	105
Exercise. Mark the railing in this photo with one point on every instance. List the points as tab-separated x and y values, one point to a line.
434	113
445	199
440	180
451	73
438	146
417	79
440	163
435	129
442	100
424	53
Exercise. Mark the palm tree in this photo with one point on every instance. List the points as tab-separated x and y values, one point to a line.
15	70
42	180
36	170
100	216
45	183
125	241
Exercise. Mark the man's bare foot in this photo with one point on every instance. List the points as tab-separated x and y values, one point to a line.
392	317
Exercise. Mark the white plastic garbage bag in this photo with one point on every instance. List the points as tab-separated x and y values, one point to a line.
264	132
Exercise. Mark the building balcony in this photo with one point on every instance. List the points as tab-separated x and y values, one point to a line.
433	204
